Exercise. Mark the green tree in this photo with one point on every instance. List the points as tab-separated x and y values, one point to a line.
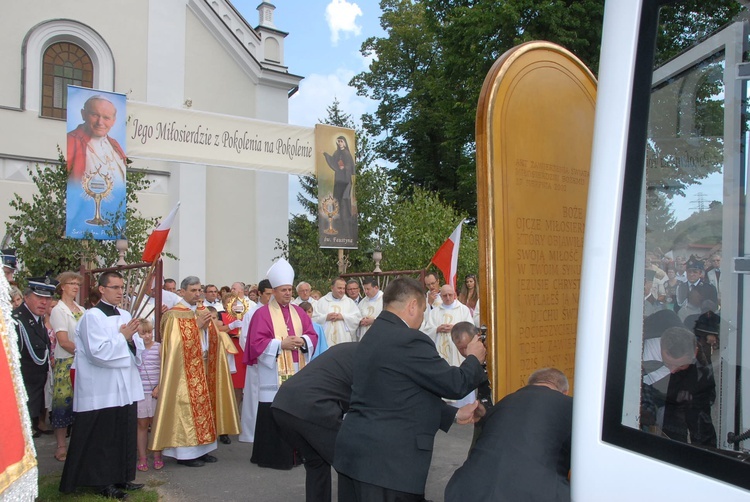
37	229
421	223
682	24
433	60
659	221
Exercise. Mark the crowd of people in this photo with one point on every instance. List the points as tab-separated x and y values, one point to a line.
358	379
681	310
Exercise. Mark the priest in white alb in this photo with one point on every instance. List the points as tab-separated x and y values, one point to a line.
441	321
370	306
303	294
338	314
438	326
281	340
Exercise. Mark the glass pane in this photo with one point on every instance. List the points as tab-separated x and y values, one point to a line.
681	248
59	91
683	380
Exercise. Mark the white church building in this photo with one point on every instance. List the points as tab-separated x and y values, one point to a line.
180	54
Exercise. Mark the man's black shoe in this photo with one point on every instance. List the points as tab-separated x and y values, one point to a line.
111	492
209	459
129	486
224	438
195	462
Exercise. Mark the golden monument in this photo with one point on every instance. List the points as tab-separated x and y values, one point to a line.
535	122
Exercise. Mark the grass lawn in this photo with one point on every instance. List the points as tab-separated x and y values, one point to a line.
49	490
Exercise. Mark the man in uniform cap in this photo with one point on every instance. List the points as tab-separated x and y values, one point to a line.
281	339
9	263
695	280
33	341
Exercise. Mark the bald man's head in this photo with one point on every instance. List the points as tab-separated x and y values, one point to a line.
447	294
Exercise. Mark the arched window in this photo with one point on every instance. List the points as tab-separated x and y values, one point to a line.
80	55
64	64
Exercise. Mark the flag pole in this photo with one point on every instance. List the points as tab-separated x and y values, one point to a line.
142	291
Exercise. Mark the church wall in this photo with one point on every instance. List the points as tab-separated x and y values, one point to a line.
231	215
213	81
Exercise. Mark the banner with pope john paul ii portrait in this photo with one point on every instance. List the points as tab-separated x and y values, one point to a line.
97	164
335	163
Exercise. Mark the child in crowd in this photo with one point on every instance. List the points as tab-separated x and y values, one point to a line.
322	344
16	298
150	371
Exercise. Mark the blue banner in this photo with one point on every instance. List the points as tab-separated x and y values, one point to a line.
97	166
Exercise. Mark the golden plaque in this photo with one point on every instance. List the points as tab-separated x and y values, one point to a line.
535	123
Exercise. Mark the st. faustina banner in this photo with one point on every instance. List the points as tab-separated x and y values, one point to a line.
96	164
335	162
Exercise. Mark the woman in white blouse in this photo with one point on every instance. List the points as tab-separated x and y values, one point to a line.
63	319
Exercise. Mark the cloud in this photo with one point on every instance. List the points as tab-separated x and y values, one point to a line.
341	17
317	92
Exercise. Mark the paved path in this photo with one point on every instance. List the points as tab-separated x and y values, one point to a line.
233	477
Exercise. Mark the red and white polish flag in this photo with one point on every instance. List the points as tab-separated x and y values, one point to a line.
158	238
446	258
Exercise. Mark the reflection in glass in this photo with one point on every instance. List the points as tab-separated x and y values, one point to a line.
681	251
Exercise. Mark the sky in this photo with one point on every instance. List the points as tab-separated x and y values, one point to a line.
323	46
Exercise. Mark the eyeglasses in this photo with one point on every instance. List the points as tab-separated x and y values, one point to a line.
116	288
73	284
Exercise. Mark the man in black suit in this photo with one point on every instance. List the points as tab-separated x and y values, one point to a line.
384	448
524	450
34	343
308	409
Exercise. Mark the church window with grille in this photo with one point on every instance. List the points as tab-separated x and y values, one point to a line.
64	64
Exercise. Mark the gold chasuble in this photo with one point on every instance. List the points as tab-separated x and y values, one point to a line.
285	361
196	398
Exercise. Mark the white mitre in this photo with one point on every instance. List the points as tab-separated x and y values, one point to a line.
281	273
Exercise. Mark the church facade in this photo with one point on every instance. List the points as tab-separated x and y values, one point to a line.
196	54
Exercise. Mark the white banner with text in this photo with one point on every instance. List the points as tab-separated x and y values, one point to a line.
155	132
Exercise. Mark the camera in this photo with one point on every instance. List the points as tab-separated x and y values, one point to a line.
483	334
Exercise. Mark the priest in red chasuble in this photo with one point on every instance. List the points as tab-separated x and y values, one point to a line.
281	340
196	399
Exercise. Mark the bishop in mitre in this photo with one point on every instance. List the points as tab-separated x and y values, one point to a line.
281	340
196	399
